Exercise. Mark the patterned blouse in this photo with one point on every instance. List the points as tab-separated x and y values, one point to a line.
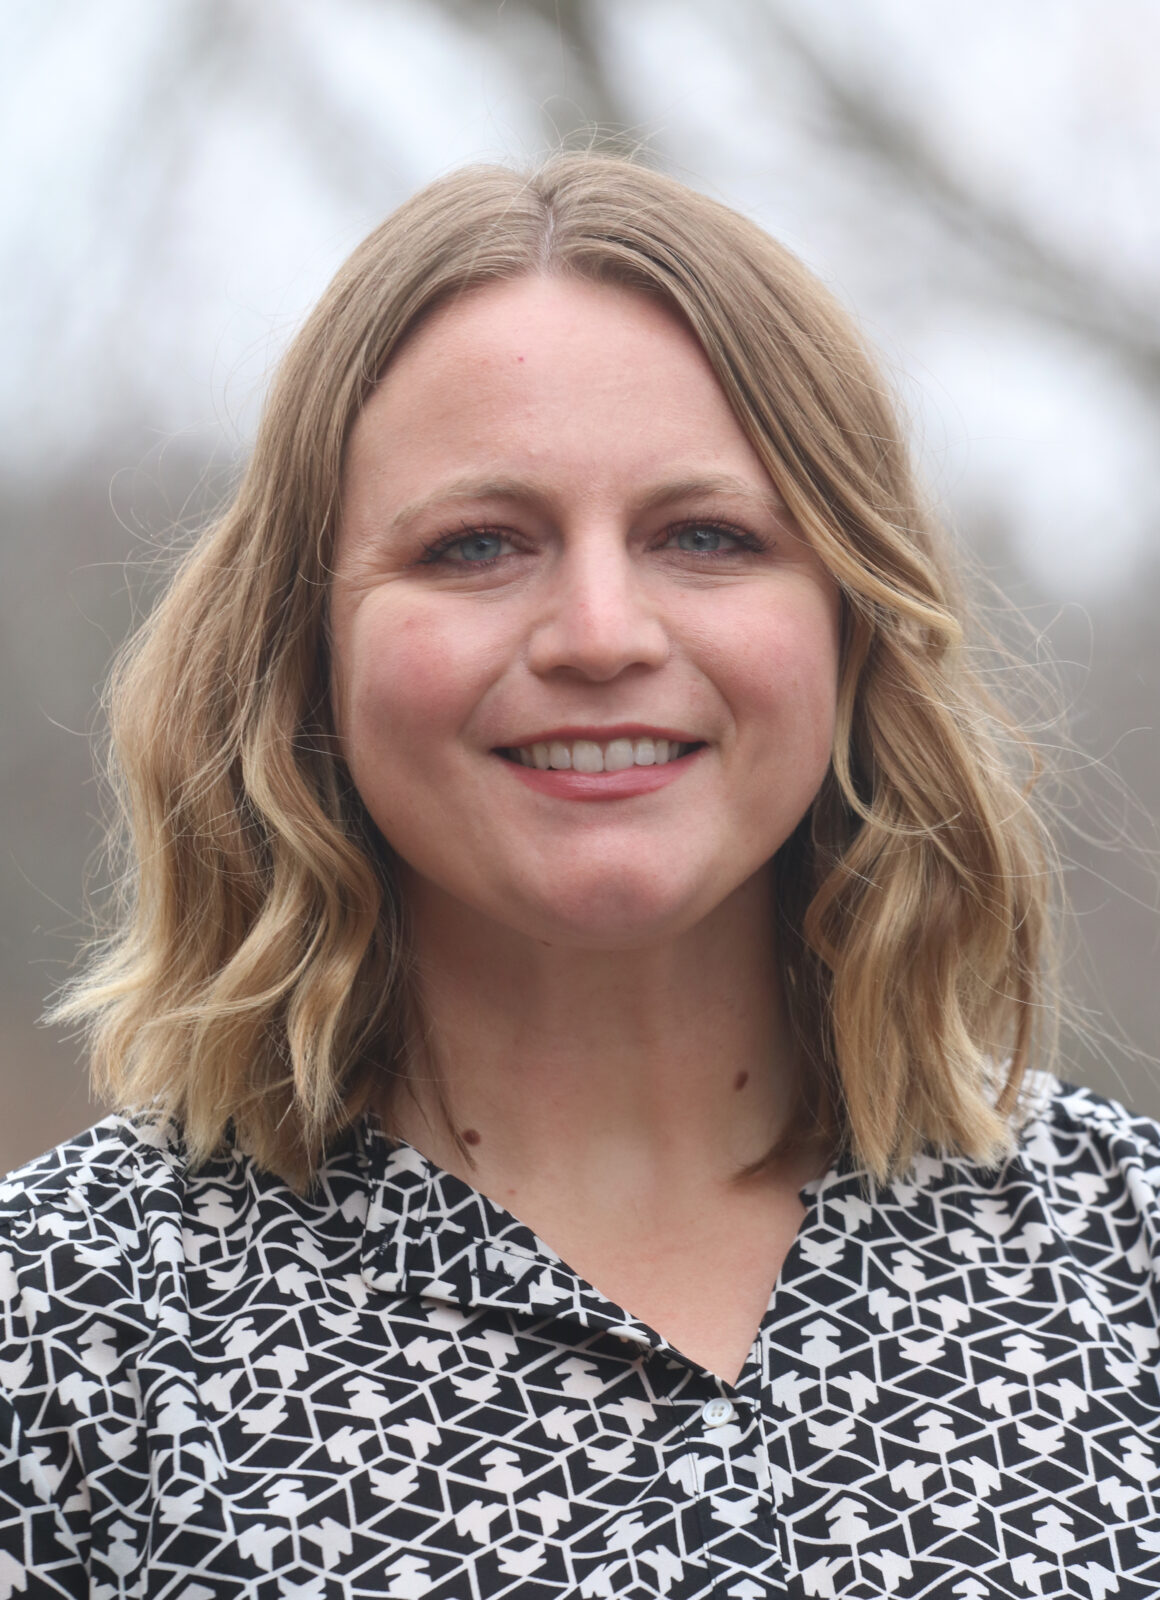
211	1387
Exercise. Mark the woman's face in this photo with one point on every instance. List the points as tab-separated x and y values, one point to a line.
559	554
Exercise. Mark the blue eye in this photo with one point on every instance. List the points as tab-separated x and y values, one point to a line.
478	547
704	539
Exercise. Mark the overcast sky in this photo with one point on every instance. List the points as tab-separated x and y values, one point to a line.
180	180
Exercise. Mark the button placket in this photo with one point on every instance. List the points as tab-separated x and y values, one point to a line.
766	1479
734	1500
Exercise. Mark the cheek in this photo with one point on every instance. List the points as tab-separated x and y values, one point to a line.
807	665
404	675
781	672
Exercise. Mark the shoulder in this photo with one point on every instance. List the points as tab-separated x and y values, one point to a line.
118	1216
88	1225
103	1180
1084	1185
110	1243
1082	1145
1079	1193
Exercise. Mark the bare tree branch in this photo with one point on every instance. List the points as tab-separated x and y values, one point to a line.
1026	269
590	111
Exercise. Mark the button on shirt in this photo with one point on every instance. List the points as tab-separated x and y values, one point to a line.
213	1387
714	1413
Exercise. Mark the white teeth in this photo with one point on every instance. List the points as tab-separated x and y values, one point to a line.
585	755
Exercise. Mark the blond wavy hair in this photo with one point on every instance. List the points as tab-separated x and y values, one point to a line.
254	979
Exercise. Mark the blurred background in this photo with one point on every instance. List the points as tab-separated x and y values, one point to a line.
179	182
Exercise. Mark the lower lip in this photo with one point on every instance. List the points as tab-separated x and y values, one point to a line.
622	785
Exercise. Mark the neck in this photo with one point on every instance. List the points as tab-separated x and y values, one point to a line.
673	1063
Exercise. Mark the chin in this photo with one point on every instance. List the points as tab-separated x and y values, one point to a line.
618	914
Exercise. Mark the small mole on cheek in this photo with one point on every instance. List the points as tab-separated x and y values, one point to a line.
470	1136
741	1080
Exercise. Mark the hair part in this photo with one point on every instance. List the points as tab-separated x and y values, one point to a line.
255	975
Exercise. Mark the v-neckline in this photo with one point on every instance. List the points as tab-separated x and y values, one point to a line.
452	1240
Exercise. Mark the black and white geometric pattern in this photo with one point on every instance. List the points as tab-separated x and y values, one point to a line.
212	1387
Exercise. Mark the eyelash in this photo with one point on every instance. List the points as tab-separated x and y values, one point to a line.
435	552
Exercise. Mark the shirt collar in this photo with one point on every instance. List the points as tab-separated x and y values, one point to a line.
431	1235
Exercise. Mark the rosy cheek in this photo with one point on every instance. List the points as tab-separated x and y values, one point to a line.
793	678
409	671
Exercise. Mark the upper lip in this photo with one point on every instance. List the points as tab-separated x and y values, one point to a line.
618	730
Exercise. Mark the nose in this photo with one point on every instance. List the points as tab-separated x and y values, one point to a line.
597	622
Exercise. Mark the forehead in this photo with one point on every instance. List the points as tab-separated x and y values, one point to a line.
549	374
539	314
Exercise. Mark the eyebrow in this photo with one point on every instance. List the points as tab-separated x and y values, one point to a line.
655	498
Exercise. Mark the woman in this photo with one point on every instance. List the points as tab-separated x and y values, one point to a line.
581	898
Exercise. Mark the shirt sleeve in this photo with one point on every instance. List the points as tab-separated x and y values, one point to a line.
41	1548
67	1294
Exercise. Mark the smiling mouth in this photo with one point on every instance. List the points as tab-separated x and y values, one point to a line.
587	756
